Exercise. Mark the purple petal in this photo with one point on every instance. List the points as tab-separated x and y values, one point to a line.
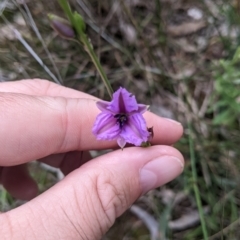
121	142
103	106
142	108
135	131
105	127
123	102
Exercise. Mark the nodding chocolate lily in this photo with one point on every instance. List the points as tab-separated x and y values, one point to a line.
121	119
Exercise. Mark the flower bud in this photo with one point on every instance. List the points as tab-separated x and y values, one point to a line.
61	26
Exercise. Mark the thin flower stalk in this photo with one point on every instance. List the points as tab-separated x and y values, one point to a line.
79	27
88	48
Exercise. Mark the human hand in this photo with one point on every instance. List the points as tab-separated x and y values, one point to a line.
44	121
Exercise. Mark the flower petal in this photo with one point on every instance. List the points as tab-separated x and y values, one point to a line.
103	106
135	131
106	127
123	102
142	108
121	142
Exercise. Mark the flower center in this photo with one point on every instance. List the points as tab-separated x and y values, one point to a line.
121	119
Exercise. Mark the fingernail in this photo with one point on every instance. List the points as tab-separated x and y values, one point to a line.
173	121
160	171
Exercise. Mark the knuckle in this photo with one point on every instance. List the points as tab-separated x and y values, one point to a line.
37	85
111	194
67	118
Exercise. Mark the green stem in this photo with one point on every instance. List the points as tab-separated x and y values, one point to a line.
78	24
195	186
93	56
66	8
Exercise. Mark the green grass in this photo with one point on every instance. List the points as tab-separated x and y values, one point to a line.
200	88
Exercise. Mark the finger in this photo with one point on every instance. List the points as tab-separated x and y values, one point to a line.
35	127
17	181
40	87
67	162
86	203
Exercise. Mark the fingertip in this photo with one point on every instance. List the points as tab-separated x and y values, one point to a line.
160	171
166	131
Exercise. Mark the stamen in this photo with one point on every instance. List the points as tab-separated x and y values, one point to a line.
121	119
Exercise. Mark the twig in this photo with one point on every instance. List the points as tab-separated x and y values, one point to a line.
42	41
34	55
187	220
30	50
149	221
57	171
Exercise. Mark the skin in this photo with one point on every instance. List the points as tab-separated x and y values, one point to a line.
44	121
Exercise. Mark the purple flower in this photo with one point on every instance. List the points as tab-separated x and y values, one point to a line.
121	119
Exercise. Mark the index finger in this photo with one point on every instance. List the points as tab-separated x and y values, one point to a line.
33	127
41	87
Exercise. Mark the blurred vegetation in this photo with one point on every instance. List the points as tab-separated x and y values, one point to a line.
182	58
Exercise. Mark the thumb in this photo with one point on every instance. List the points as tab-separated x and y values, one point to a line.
85	204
